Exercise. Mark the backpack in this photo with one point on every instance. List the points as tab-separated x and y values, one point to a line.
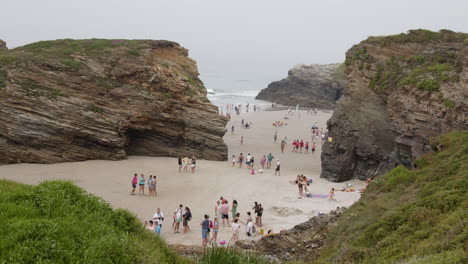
211	224
254	229
189	216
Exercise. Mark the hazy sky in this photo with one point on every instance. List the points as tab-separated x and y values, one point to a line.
256	40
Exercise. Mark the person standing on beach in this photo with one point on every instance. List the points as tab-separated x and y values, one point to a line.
234	209
179	161
241	160
277	170
275	137
185	161
233	160
134	184
263	161
155	181
205	226
150	185
194	164
215	230
232	130
282	146
225	212
332	195
217	208
187	216
142	184
177	218
269	158
158	217
235	231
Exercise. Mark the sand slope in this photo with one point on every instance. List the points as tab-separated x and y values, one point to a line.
111	179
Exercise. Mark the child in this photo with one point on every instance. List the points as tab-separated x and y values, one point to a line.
215	228
252	172
332	195
157	230
233	160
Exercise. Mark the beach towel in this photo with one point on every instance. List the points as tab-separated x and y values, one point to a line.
317	195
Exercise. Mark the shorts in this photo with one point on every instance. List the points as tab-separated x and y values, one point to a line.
248	234
204	233
185	223
178	220
193	165
313	149
134	185
277	168
224	216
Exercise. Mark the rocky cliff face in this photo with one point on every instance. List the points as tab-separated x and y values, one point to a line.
307	85
3	46
401	92
70	100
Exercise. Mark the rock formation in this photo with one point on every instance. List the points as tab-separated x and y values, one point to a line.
70	100
401	92
3	46
302	242
307	85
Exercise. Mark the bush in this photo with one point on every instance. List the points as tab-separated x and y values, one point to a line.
428	85
58	222
227	255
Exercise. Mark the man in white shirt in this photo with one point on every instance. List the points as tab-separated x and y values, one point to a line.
249	228
158	217
277	170
177	218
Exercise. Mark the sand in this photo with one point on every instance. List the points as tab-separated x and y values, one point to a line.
212	179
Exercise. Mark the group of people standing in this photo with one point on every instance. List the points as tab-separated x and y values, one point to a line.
185	162
141	181
249	160
299	146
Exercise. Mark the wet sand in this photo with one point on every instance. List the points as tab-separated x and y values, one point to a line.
111	180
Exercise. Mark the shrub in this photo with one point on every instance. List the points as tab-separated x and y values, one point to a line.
227	255
449	104
428	85
73	64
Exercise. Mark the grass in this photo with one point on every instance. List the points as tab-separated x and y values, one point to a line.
58	222
73	64
226	255
449	104
418	36
409	216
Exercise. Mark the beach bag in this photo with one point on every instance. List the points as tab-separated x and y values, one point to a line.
254	230
211	224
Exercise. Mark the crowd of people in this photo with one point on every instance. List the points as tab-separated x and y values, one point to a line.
229	215
185	162
141	182
249	161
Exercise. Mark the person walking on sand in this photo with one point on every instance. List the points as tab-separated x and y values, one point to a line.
177	218
179	161
142	184
185	161
187	216
241	160
194	164
269	158
275	137
134	184
277	170
235	231
263	161
205	226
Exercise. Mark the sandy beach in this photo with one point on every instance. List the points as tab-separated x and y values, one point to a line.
111	180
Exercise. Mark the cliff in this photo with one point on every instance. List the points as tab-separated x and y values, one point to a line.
401	92
70	100
307	85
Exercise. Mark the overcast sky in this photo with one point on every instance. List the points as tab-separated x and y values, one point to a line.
232	40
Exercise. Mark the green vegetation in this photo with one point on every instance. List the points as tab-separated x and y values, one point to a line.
449	103
134	53
3	78
409	216
226	255
58	222
73	64
6	59
428	85
418	36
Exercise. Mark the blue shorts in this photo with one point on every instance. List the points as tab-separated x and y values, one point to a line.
204	233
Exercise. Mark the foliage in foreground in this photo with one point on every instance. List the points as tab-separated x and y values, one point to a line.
410	216
227	255
58	222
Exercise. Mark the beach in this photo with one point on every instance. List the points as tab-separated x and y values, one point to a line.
111	180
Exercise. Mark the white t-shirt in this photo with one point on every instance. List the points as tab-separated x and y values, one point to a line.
178	212
156	216
248	227
235	227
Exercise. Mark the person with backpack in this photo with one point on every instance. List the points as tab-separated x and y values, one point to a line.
187	217
205	225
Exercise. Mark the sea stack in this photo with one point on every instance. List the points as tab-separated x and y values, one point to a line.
401	92
72	100
315	85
